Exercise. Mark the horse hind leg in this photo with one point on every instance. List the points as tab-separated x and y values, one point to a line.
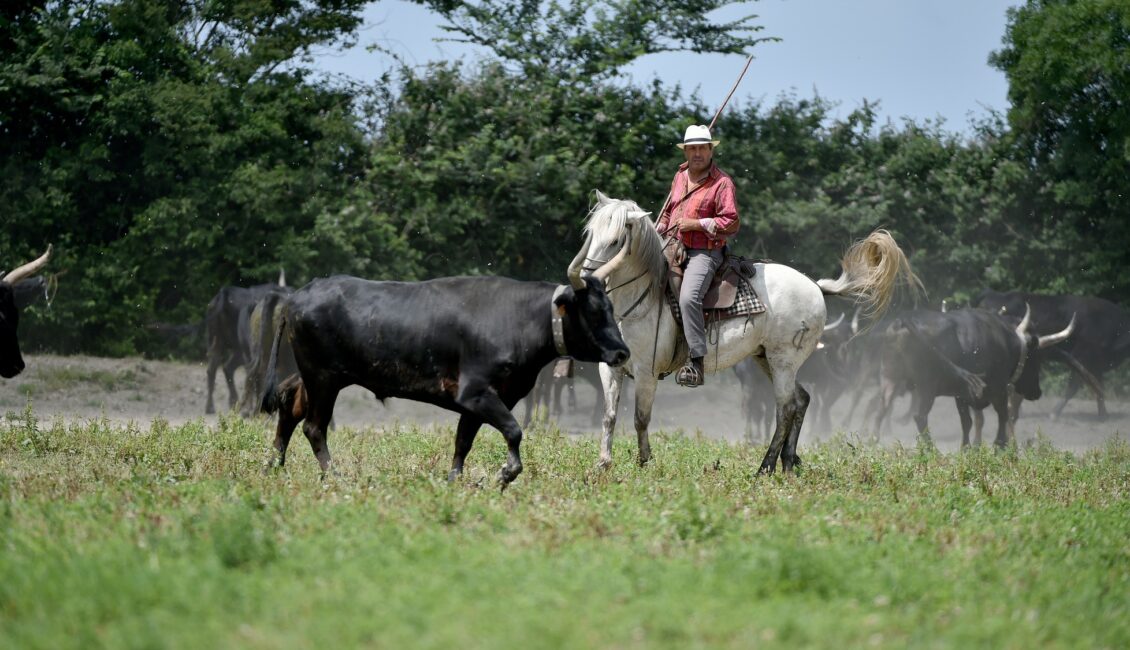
792	402
789	457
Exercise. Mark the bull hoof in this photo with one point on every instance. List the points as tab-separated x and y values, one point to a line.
604	463
507	474
766	470
454	475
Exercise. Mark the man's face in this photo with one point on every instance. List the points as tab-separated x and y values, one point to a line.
698	156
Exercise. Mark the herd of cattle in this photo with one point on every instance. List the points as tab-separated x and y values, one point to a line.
477	346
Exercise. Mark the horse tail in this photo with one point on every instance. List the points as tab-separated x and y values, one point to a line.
872	268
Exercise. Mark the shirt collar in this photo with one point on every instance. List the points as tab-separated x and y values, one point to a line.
711	173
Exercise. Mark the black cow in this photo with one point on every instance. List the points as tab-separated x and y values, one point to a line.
1101	341
227	330
972	355
473	345
263	322
11	361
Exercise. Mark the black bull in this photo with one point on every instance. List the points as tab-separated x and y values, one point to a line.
11	361
1100	343
473	345
972	355
227	328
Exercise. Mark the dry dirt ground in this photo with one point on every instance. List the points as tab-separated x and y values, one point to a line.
140	390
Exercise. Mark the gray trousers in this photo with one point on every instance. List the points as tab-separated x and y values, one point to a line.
701	265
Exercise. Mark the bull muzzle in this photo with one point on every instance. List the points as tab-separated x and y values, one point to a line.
12	369
616	357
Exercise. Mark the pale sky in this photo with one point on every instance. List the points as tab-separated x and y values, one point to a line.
922	59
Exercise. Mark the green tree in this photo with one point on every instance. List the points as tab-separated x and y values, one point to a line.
1068	68
167	149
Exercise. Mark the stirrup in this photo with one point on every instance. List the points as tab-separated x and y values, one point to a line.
689	376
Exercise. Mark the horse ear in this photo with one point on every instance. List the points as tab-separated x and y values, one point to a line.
601	197
642	214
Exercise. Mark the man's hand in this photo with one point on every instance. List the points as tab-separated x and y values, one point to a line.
689	225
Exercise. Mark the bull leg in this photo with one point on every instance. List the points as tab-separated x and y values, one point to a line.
292	410
319	412
558	386
966	420
645	399
882	404
229	376
465	433
978	425
1000	405
789	457
1072	387
1014	400
613	381
921	414
484	403
747	412
213	365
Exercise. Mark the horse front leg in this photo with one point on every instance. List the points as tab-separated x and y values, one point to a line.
612	380
645	398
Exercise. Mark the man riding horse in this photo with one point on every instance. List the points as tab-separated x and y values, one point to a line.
702	211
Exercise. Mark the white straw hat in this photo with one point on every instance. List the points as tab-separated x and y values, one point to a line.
697	134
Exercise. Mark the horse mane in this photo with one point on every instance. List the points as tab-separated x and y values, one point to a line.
608	219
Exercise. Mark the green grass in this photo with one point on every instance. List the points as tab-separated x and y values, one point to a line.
158	536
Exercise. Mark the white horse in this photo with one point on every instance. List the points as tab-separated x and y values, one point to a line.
622	248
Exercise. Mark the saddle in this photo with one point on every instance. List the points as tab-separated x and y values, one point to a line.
734	275
730	294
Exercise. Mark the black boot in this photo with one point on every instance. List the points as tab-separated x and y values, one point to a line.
692	374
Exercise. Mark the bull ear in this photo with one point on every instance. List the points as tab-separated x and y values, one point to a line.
563	296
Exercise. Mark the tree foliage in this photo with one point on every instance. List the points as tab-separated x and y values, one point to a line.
168	149
1068	68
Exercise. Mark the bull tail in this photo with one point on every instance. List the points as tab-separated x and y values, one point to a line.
872	268
974	384
270	402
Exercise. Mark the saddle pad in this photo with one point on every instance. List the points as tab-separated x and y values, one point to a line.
746	303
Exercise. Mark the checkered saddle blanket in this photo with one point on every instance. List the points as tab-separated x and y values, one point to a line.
736	278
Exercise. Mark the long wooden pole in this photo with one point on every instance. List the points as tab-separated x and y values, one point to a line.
711	127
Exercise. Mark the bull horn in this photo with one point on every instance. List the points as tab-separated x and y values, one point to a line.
1058	337
855	321
609	268
943	306
29	269
574	271
282	277
829	328
1022	328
